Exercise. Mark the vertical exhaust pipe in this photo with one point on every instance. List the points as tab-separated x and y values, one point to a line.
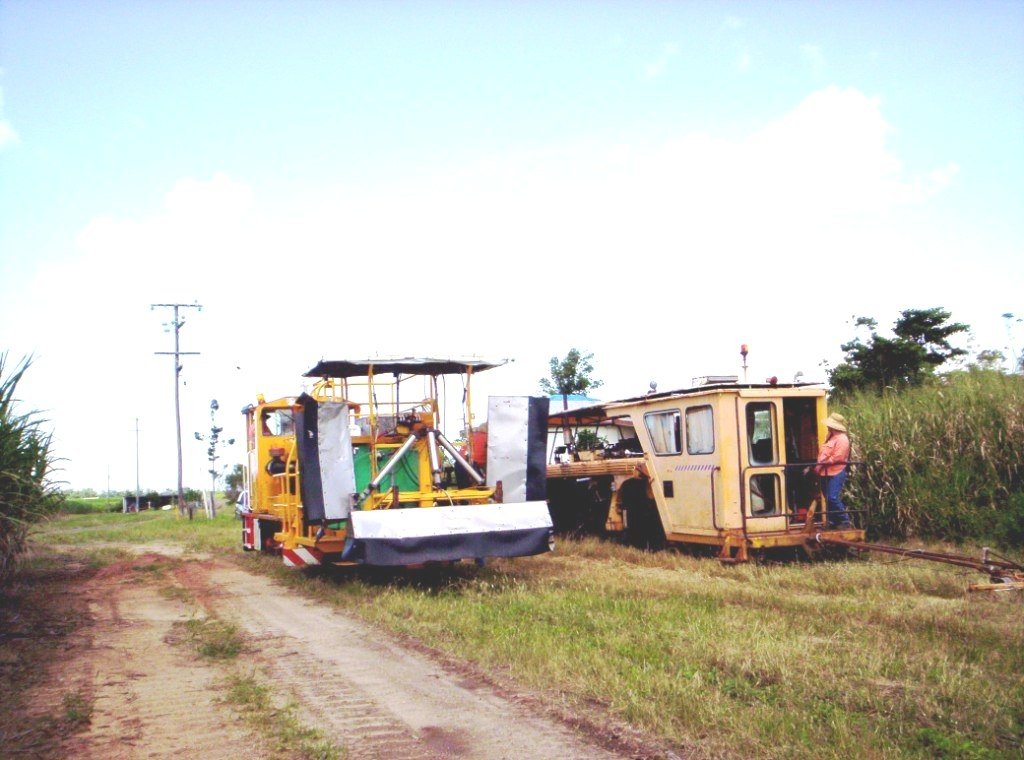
435	461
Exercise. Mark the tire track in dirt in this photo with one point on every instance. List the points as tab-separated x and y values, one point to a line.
150	699
368	692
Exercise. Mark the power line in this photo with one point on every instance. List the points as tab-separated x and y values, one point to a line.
178	322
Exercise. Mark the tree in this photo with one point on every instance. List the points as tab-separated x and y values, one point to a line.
212	454
920	346
568	376
989	359
235	481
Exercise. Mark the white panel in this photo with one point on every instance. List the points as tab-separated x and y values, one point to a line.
337	470
446	521
508	420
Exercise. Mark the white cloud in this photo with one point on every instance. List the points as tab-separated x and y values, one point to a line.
743	63
501	257
7	134
813	57
657	68
216	199
829	155
941	178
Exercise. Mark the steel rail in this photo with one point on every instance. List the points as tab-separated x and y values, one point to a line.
995	568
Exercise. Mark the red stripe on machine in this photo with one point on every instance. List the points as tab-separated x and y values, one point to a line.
301	556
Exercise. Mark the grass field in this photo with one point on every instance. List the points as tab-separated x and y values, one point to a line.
81	506
856	658
198	534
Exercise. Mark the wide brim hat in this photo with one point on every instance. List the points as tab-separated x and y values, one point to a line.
836	422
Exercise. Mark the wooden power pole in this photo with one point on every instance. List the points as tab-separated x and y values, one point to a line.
177	323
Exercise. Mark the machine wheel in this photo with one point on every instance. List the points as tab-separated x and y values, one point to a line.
811	551
578	508
643	523
265	534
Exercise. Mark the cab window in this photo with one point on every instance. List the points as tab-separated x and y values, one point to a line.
700	430
278	422
764	494
664	429
761	433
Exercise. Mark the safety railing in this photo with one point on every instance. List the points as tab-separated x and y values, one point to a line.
800	490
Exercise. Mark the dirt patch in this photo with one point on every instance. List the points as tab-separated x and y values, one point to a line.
162	549
42	626
116	679
107	684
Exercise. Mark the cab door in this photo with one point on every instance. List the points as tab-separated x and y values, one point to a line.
697	474
686	462
762	466
664	431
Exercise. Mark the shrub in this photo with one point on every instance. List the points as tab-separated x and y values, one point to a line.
25	461
588	440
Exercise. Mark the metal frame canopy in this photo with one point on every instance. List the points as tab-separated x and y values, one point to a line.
344	368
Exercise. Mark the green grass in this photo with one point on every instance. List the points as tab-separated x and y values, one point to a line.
81	506
867	657
198	534
177	593
77	709
213	638
278	723
864	659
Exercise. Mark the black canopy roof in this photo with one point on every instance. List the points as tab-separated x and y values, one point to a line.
407	366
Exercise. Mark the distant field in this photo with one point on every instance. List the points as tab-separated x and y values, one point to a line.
84	506
855	658
223	534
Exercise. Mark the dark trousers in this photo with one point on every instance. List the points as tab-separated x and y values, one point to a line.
831	487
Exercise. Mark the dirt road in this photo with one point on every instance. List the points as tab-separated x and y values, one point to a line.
148	696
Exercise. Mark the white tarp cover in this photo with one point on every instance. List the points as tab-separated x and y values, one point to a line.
449	521
507	440
337	470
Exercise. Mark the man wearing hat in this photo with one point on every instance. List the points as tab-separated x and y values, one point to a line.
832	461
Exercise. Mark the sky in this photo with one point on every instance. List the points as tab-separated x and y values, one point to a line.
654	183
